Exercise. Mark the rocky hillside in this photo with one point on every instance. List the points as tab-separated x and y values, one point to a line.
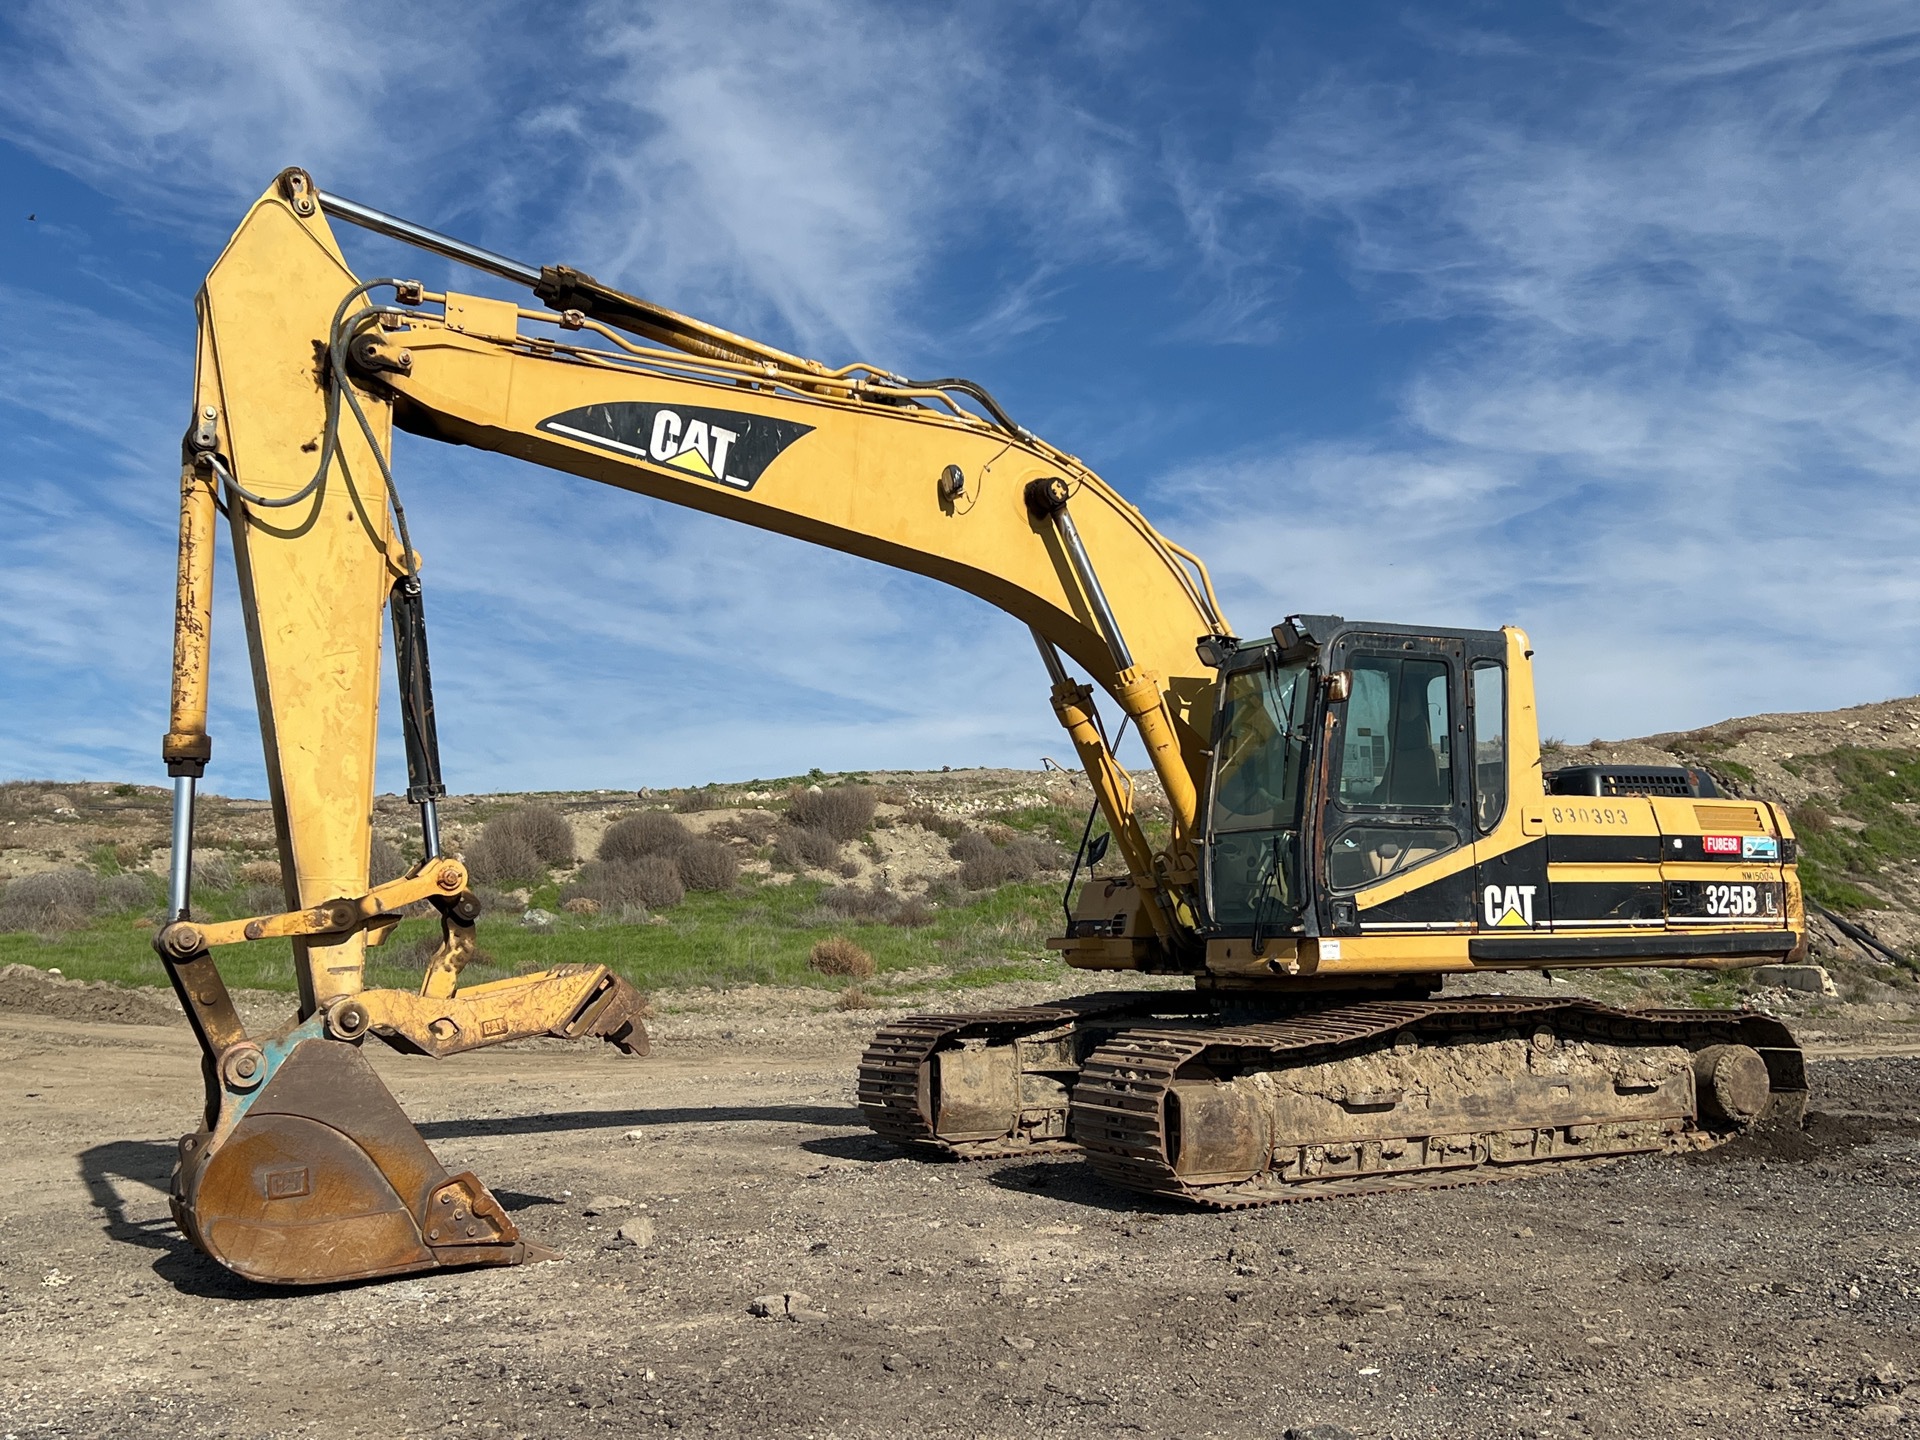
1850	777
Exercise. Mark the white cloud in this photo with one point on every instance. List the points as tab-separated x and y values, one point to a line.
183	111
1672	429
807	168
1665	415
799	170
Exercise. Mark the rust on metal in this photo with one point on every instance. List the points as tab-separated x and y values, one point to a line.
324	1179
569	1002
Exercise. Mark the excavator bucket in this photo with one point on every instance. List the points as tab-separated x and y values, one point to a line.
321	1178
306	1171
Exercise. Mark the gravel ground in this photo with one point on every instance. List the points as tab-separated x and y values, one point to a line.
1768	1288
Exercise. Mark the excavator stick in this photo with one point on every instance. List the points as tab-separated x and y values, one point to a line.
305	1170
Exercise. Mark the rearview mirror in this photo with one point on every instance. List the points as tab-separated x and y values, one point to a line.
1097	848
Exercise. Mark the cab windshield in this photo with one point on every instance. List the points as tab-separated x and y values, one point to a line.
1257	770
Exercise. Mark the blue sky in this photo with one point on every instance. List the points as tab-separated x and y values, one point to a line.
1598	319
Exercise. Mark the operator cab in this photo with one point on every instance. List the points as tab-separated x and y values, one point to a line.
1344	755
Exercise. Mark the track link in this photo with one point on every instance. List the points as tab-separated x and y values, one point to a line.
1121	1104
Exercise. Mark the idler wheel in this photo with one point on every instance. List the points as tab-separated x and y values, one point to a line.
1732	1084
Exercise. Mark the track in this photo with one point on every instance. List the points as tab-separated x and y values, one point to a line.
896	1088
1132	1081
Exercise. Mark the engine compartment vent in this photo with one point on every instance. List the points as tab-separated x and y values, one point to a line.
1686	781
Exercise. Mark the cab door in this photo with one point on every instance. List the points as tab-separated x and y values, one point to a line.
1396	792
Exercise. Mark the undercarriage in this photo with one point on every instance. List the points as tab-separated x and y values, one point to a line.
1200	1097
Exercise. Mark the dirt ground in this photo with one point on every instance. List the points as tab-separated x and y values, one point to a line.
1759	1290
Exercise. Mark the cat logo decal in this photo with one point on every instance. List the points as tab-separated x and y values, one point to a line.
723	446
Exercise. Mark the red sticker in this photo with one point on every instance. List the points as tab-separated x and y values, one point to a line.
1720	844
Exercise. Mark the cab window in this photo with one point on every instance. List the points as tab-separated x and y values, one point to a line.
1396	751
1489	743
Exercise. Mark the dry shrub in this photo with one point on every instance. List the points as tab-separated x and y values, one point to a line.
969	846
1809	818
756	827
267	872
545	828
263	899
213	871
842	811
1021	858
68	899
652	881
52	900
648	833
837	955
708	865
520	844
126	892
854	998
848	869
504	858
688	802
911	913
875	902
929	819
19	799
384	862
581	905
798	846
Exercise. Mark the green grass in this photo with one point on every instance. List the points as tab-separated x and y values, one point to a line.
1869	786
1062	824
758	934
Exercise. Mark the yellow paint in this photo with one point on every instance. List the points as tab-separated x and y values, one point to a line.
313	578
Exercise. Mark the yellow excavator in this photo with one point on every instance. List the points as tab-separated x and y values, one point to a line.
1357	810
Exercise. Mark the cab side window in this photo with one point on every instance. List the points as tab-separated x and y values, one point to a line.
1489	743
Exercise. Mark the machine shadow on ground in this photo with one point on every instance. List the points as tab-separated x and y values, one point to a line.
823	1116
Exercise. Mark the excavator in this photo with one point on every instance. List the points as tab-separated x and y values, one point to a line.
1354	810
